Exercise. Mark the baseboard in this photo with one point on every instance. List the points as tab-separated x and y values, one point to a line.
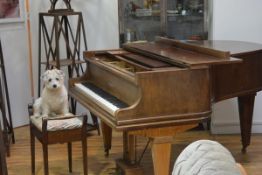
233	128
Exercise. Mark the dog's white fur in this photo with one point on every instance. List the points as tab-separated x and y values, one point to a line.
54	98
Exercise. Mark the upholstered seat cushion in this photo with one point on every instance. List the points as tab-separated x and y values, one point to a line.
69	122
205	157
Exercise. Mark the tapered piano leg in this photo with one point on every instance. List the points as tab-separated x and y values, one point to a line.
107	137
128	165
161	139
246	106
161	152
129	148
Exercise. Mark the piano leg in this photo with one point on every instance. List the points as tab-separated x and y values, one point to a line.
246	106
129	165
107	137
161	152
161	139
129	148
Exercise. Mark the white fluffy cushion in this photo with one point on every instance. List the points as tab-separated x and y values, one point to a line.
60	124
205	157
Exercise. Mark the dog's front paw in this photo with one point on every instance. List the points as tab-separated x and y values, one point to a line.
68	115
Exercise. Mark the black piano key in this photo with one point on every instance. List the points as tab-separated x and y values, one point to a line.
105	95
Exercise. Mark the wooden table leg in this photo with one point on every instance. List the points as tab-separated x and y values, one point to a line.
161	152
246	107
107	137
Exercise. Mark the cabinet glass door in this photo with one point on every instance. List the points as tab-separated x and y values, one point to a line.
139	20
186	19
179	19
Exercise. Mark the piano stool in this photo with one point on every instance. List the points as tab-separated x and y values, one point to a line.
57	130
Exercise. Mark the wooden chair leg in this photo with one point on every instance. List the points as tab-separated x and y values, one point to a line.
84	151
32	141
45	156
69	149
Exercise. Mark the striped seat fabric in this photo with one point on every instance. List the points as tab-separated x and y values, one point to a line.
69	122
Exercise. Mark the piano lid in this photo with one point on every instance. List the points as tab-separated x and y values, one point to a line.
234	47
180	53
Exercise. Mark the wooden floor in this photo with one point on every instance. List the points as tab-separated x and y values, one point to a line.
19	161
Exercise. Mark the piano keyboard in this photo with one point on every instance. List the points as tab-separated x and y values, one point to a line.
102	98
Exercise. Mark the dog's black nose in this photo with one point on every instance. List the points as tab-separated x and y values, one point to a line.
54	86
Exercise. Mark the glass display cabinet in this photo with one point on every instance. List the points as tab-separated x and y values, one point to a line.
179	19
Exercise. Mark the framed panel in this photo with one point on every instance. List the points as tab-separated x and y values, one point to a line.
11	11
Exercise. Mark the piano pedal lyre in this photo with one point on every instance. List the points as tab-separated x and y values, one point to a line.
122	168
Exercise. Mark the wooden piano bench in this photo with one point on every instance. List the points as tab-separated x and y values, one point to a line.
60	129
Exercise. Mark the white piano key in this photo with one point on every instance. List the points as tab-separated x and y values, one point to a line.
97	99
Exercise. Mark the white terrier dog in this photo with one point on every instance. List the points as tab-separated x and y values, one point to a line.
54	98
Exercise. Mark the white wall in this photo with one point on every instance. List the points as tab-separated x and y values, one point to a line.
236	20
14	42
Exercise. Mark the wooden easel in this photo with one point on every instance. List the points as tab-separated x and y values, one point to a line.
8	132
61	33
61	36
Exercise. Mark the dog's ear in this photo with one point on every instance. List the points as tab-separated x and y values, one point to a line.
60	73
44	75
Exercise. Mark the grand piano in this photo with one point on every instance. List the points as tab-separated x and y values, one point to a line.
158	89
